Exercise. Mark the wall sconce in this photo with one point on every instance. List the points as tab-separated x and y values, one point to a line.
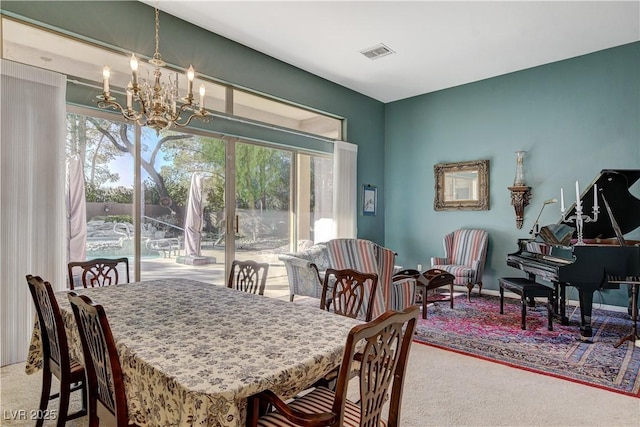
520	197
520	193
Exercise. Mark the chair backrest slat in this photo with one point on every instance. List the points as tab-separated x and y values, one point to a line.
366	257
248	276
99	272
349	293
54	337
104	372
387	341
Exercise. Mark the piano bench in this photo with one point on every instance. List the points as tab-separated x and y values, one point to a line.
526	289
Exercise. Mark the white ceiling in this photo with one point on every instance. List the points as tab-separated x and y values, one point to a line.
438	44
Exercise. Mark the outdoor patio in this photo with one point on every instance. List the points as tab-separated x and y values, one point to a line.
166	268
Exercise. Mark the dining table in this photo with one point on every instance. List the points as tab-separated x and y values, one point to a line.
193	352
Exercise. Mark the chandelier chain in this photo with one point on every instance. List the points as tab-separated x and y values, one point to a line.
156	55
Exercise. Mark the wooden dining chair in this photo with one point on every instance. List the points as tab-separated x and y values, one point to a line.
248	276
383	346
349	293
99	272
55	354
106	398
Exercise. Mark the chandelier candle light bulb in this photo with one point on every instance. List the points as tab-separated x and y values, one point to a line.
134	69
190	76
562	201
106	73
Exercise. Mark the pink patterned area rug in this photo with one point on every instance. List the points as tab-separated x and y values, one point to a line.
478	329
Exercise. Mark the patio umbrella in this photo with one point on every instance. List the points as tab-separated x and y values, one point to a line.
76	211
193	217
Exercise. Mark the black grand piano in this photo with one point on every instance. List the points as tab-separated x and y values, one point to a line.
605	256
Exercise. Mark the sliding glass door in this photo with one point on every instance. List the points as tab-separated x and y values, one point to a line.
183	224
100	218
262	205
165	201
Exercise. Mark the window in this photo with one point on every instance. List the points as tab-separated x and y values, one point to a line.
80	60
277	113
269	182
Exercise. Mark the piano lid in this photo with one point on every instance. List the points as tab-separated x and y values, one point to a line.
613	185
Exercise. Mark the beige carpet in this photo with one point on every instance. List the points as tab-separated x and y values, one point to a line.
442	388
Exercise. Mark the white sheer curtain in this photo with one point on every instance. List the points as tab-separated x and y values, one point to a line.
32	195
345	189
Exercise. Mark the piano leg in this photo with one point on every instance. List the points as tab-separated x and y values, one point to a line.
634	316
586	305
633	293
560	302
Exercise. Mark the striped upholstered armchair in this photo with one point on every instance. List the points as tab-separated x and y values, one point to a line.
368	257
465	254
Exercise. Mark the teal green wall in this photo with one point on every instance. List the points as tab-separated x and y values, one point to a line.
573	117
129	25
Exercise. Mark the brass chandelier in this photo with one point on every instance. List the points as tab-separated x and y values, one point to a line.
157	101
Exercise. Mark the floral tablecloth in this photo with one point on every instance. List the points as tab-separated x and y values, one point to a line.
192	352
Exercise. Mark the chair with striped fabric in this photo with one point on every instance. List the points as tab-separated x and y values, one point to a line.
399	294
465	256
382	348
367	257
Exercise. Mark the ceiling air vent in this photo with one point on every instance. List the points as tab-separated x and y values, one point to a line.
377	51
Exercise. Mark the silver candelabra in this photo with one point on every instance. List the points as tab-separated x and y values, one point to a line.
579	218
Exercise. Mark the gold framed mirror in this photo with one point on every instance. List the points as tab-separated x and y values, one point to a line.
462	186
